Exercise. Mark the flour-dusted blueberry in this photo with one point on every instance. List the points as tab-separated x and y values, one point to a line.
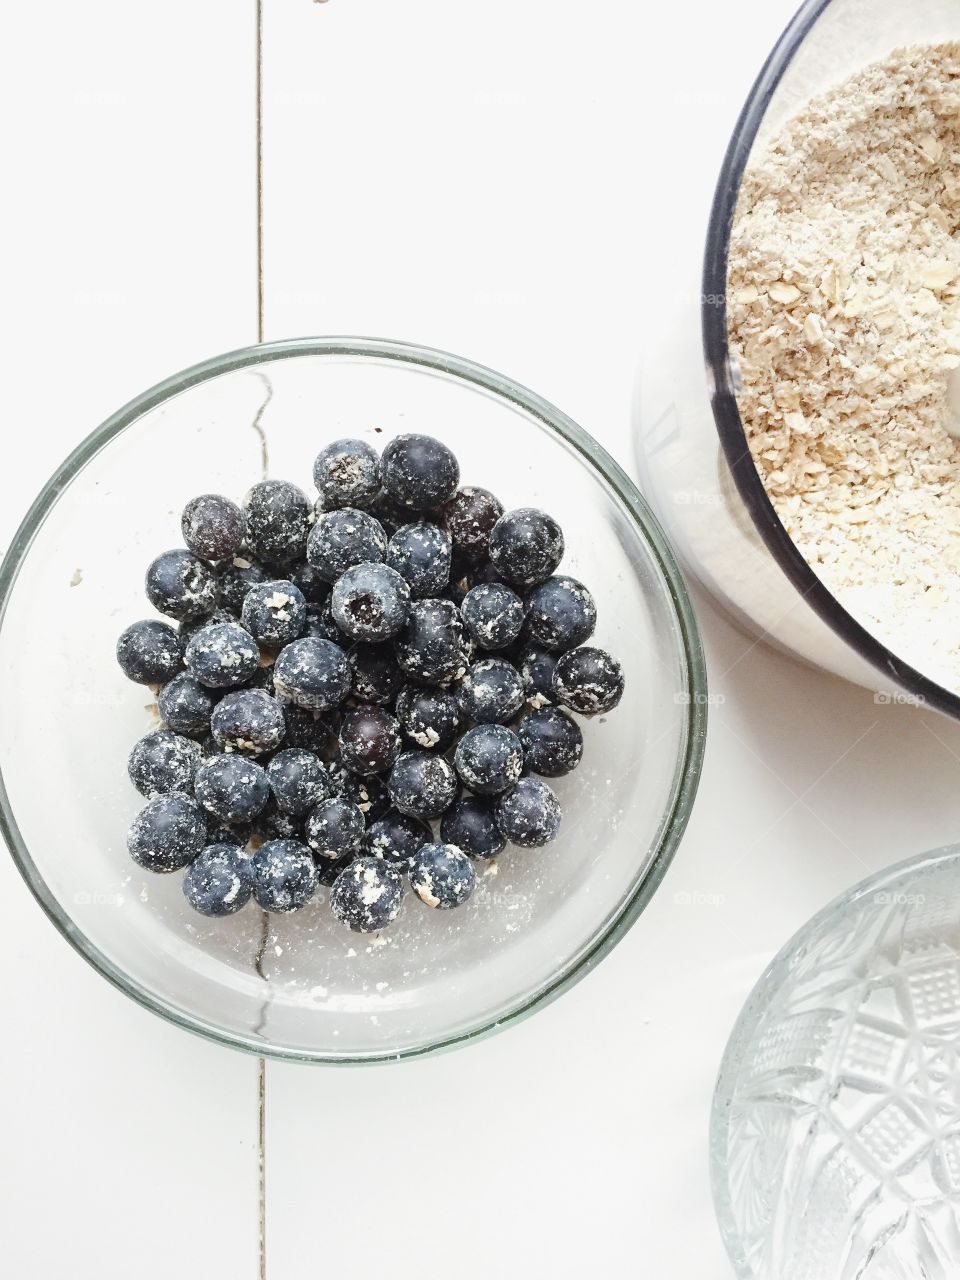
319	624
284	875
529	813
341	539
370	602
235	579
396	837
231	787
262	679
552	742
369	740
377	677
430	648
588	680
223	655
429	718
369	794
219	881
168	833
335	828
180	585
367	895
471	825
278	521
469	517
248	721
493	614
312	673
422	785
419	471
309	727
185	705
489	759
389	512
162	762
274	823
150	652
235	833
213	527
442	876
420	553
561	614
526	546
491	692
536	667
274	613
298	780
189	627
347	474
313	588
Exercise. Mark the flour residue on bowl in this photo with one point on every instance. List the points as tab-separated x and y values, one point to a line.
844	317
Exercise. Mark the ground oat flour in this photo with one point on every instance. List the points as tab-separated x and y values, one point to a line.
844	314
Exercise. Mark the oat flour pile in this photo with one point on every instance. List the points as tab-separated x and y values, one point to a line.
844	313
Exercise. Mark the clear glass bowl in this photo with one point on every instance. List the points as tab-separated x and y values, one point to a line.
835	1135
301	986
692	453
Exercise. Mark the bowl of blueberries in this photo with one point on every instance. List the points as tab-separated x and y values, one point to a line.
354	702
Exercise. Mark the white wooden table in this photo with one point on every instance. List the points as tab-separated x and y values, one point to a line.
506	181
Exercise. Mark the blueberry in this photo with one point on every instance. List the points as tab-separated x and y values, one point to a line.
367	895
261	679
319	623
420	553
284	875
430	646
248	721
163	762
341	539
222	655
236	579
560	614
309	728
552	742
167	834
419	472
235	833
471	825
442	876
588	680
370	602
526	546
536	667
390	513
369	740
185	705
489	759
492	614
369	794
396	837
329	870
274	613
347	474
469	517
312	673
335	828
491	692
189	627
528	814
273	823
422	785
429	718
298	780
278	521
150	652
180	585
377	677
219	881
232	788
313	588
213	527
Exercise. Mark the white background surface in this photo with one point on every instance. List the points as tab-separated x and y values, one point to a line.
520	182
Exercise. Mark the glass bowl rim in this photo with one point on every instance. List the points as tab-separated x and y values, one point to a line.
732	1059
686	779
726	414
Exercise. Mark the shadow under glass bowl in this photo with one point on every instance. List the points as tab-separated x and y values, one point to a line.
301	986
